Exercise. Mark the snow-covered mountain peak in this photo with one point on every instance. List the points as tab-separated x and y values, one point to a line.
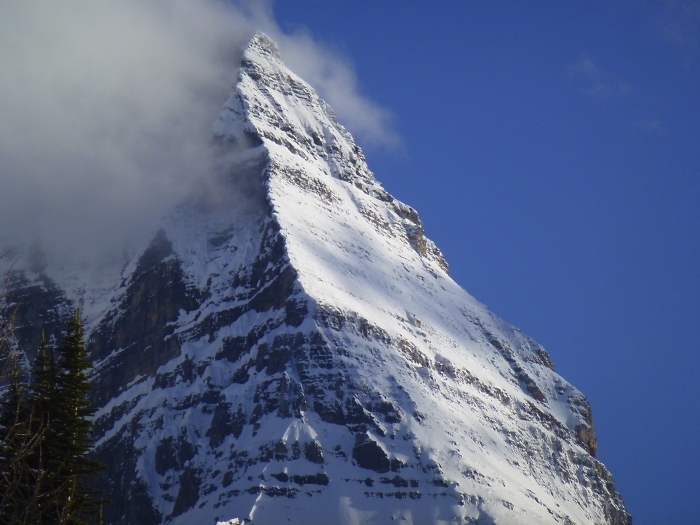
263	44
273	103
311	361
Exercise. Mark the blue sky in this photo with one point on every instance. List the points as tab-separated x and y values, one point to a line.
552	150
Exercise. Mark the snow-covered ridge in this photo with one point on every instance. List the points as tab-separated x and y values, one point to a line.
306	143
273	103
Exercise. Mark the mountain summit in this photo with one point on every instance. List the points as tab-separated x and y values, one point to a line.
292	350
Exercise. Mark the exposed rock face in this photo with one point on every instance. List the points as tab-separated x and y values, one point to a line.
36	301
140	329
369	455
309	360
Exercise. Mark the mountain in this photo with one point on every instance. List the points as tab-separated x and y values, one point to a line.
290	348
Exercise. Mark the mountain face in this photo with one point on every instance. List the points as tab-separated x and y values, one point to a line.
293	350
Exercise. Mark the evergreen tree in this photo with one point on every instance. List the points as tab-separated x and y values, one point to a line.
16	442
13	410
46	437
74	498
44	458
28	460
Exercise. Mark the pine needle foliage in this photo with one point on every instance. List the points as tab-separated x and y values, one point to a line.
16	443
76	499
46	438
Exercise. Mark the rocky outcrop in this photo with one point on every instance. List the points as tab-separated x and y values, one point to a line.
135	338
37	304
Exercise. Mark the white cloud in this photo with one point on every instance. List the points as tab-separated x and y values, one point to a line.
106	108
337	83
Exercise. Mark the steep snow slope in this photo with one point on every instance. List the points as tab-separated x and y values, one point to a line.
301	355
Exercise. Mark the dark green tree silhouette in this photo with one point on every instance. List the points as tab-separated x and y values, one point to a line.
46	438
16	478
44	458
29	461
75	499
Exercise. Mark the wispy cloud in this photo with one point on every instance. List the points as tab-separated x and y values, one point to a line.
675	23
595	82
106	108
679	25
653	126
335	79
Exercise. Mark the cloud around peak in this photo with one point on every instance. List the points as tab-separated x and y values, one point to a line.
333	76
106	109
